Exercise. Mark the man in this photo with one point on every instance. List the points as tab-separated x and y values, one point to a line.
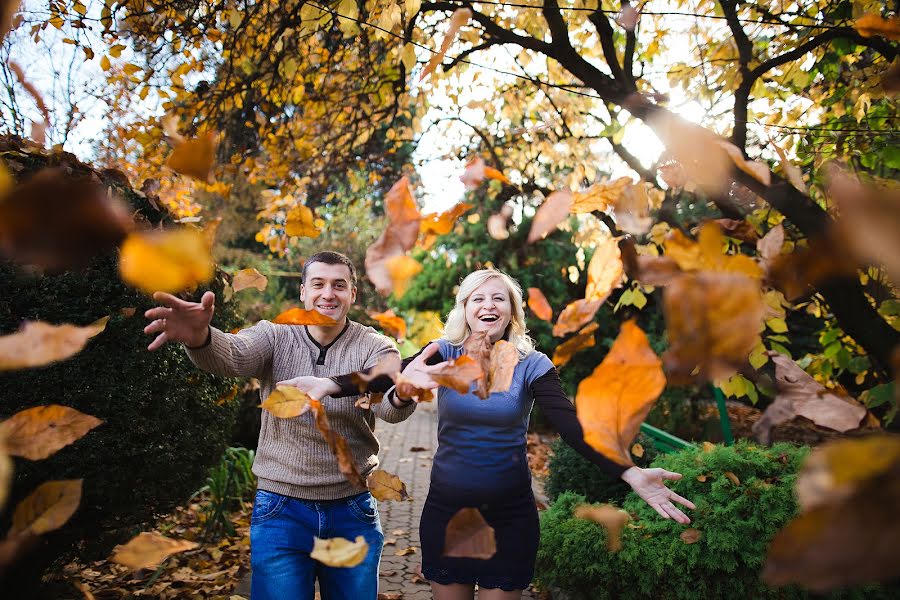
301	491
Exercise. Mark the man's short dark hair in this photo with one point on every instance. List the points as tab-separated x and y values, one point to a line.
330	258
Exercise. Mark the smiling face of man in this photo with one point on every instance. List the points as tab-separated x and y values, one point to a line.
329	290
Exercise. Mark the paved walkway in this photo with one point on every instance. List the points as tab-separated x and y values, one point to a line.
406	450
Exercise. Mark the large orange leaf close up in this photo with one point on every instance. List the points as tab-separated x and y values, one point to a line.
166	261
605	269
38	343
575	315
36	433
47	508
301	316
458	374
613	402
538	304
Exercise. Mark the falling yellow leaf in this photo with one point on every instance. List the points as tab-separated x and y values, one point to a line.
36	433
575	315
442	223
339	552
611	518
600	196
391	323
195	158
38	343
301	222
166	261
706	254
538	304
583	340
551	213
148	549
286	402
459	373
605	270
386	486
637	450
47	508
401	270
249	278
459	18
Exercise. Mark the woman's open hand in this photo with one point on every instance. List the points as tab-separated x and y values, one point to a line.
650	485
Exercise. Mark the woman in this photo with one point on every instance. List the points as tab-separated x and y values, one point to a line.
481	457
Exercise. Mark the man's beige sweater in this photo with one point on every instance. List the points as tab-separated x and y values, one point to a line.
292	458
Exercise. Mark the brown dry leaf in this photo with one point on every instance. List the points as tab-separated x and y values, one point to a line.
148	549
637	450
691	535
612	402
301	222
401	270
37	343
551	213
469	536
476	172
286	402
871	24
47	508
403	213
459	373
769	247
417	394
389	596
366	402
755	169
338	445
504	358
496	224
741	230
890	81
801	395
39	432
339	552
398	237
442	223
713	321
389	364
59	222
600	196
697	150
628	18
249	278
538	304
391	323
823	258
6	473
706	254
386	486
195	158
478	346
575	315
8	9
405	551
301	316
649	270
605	270
847	532
732	478
166	261
633	210
791	171
611	518
459	18
584	339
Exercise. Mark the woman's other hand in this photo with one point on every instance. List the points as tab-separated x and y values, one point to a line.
650	485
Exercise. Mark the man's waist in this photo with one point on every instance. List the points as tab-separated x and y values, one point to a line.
331	492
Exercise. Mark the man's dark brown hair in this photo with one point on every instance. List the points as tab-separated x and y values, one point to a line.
330	258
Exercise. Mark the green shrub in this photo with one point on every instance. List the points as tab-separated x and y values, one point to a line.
228	484
736	522
569	471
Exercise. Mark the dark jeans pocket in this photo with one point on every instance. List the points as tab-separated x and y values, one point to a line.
364	507
267	505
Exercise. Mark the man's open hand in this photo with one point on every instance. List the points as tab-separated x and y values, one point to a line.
178	320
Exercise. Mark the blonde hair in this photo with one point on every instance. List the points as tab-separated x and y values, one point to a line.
456	329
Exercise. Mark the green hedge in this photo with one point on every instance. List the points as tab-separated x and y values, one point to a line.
737	522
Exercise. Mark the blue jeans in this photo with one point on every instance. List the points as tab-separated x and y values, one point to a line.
281	538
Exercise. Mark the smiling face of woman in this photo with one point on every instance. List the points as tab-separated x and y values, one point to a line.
489	308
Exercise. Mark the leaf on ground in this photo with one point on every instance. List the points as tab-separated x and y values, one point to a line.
166	261
339	446
37	343
496	223
389	364
148	549
386	486
468	535
47	508
459	18
286	402
550	213
600	196
575	315
391	323
458	374
405	551
611	518
871	24
538	304
195	158
39	432
301	222
582	340
504	359
339	552
605	270
612	403
58	221
301	316
249	278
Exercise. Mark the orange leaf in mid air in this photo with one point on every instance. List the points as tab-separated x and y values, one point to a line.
741	230
166	261
823	258
605	270
249	278
613	402
478	346
459	18
496	224
713	322
706	254
575	316
584	339
36	433
389	364
538	304
338	445
442	223
610	517
301	222
504	359
286	402
386	486
700	157
386	263
469	536
755	169
148	549
551	213
301	316
600	196
649	270
391	323
47	508
476	172
633	210
339	552
459	373
415	393
195	158
401	270
871	24
37	343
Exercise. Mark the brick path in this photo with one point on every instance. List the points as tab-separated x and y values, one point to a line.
399	574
